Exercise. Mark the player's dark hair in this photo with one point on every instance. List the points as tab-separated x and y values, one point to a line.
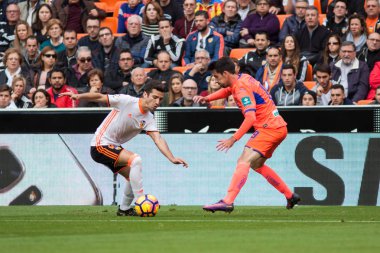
153	85
223	64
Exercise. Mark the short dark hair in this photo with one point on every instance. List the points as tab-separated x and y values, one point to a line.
289	66
32	37
337	87
223	64
202	13
165	19
92	18
325	68
70	31
5	87
54	70
106	28
311	93
263	33
154	85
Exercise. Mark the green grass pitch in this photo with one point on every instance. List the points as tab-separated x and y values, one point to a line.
305	229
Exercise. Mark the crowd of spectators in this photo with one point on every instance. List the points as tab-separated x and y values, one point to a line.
174	41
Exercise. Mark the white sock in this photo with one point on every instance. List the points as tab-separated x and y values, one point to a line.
127	197
135	177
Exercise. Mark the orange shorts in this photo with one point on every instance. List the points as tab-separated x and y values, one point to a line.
265	141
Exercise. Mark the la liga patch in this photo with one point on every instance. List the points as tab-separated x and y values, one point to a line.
246	101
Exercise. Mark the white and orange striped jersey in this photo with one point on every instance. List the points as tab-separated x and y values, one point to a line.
124	122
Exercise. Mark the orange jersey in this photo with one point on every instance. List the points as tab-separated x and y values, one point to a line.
254	101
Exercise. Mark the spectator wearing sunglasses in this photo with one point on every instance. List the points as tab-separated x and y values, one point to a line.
77	74
46	61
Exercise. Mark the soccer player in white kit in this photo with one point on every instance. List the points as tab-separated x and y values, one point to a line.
129	117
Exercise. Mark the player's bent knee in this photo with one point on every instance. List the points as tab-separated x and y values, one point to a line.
135	161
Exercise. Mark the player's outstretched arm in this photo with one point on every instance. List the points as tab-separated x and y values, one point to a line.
91	96
199	100
164	148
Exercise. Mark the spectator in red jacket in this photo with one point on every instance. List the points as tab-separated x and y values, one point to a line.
374	80
57	80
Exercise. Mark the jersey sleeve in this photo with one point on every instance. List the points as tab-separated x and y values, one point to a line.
151	125
246	99
118	101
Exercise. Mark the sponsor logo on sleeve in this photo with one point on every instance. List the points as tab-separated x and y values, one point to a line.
246	101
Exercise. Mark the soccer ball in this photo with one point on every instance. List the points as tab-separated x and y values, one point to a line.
147	205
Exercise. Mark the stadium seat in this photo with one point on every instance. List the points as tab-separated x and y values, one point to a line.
181	69
117	7
239	52
110	22
100	5
147	70
282	18
365	101
110	5
317	5
309	84
309	73
321	18
80	35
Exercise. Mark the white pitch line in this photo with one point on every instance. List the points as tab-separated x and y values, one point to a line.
197	221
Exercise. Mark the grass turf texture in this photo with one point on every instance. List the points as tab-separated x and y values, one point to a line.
189	229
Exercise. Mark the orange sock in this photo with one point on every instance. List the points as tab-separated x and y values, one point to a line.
275	180
237	182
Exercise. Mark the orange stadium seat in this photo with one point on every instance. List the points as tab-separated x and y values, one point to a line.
147	70
110	22
282	18
321	18
181	69
110	5
117	7
239	52
317	4
365	101
309	73
80	35
100	5
309	84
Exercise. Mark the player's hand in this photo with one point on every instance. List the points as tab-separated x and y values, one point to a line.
178	160
199	99
72	95
225	145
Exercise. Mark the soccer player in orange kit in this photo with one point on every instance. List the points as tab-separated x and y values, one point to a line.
259	112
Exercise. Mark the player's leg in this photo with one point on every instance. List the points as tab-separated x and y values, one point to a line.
116	158
237	182
131	169
266	143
